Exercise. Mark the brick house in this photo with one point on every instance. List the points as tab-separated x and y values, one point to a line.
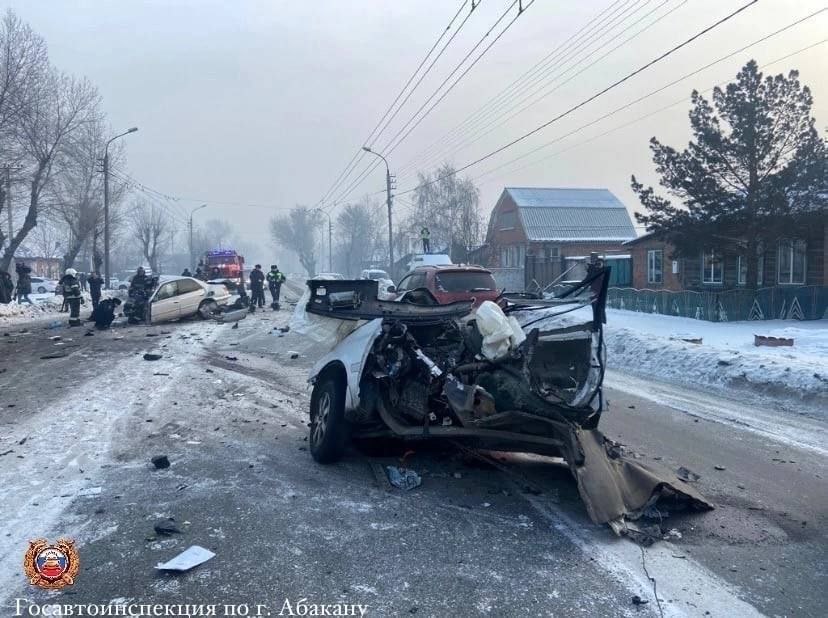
795	262
539	228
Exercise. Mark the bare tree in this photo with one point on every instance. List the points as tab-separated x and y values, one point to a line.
360	233
297	232
61	107
47	241
23	66
450	207
150	226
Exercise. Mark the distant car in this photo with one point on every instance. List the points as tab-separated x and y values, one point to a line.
328	276
386	290
428	259
374	273
443	285
176	298
43	286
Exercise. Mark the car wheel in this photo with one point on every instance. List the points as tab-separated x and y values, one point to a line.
328	427
206	309
41	290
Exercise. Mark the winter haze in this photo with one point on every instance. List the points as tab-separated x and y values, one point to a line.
261	104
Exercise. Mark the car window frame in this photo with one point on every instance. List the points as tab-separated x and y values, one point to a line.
196	286
162	286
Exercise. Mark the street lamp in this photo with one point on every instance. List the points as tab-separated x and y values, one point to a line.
106	200
192	212
388	201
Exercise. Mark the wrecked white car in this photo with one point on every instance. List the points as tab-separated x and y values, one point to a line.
523	374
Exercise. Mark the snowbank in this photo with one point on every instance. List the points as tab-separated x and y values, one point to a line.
43	305
652	345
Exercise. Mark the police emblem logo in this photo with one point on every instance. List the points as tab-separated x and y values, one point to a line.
51	566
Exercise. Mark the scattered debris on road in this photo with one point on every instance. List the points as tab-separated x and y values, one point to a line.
152	357
686	475
166	527
772	342
160	462
186	560
403	478
719	468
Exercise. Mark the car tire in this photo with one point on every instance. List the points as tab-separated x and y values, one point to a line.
206	309
328	428
41	290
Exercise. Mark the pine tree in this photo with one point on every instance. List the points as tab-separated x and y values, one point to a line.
754	173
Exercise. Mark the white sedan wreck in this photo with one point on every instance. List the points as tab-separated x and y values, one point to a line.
523	374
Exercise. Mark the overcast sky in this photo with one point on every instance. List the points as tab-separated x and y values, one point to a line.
264	102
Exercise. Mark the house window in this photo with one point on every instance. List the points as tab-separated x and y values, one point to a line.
655	262
507	220
791	262
712	267
760	270
553	253
741	270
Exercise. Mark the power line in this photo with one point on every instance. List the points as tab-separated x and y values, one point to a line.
634	121
359	152
389	147
598	94
665	87
546	91
554	57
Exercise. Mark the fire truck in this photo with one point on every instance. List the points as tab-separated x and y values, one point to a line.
228	262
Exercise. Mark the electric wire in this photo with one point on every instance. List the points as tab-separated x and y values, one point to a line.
549	62
390	146
594	96
357	155
547	90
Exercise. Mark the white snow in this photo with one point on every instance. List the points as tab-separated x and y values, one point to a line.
652	345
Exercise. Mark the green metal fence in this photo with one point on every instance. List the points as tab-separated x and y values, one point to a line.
800	303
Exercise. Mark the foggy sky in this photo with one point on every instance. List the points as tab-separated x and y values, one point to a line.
264	102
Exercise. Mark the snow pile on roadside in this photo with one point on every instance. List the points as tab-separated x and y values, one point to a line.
21	312
654	345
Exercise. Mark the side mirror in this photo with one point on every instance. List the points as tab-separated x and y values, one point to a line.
391	289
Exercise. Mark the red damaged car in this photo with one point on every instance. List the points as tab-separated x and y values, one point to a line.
449	284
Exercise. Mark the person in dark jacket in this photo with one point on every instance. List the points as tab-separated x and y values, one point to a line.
215	273
95	282
275	279
6	287
72	295
139	281
186	273
24	283
257	279
82	277
104	313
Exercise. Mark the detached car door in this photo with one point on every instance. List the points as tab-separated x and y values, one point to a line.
164	305
190	295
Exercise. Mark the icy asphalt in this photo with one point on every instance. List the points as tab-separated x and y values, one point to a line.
504	535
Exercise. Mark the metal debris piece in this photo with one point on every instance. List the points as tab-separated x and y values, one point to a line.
404	478
160	462
186	560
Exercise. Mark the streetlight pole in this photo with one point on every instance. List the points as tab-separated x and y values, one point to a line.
107	274
190	225
330	239
388	202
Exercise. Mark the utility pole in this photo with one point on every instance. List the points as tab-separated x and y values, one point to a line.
330	238
107	273
190	226
388	187
8	203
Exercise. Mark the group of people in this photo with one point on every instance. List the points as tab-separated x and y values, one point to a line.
20	293
275	278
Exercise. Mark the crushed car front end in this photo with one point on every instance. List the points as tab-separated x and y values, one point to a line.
523	374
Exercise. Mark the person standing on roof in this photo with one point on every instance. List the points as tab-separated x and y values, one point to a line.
257	278
425	236
72	295
275	279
